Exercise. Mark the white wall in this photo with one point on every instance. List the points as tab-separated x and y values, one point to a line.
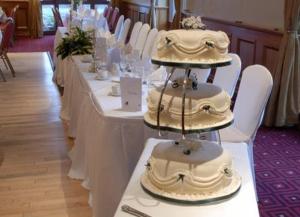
261	13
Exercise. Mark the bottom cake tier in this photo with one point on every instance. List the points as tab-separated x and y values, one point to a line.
193	172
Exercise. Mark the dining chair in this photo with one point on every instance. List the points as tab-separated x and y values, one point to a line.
142	37
7	35
149	44
158	37
109	13
226	77
124	31
200	74
57	18
13	16
253	94
134	33
119	26
113	20
105	11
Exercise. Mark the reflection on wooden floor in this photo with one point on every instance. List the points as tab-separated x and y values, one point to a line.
33	146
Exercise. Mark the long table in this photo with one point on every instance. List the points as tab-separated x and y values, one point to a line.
108	140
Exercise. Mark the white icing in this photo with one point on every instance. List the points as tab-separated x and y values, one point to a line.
196	100
203	171
193	46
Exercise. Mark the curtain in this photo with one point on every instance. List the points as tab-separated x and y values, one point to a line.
284	105
35	18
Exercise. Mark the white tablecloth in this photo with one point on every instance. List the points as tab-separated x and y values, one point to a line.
243	204
108	140
61	66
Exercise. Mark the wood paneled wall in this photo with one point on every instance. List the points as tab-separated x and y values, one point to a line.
22	15
252	44
141	12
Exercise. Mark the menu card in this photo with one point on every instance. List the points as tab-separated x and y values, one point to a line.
131	94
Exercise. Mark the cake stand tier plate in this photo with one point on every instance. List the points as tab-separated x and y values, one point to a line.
150	122
217	196
182	64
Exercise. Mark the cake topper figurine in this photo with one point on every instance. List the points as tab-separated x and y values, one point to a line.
193	23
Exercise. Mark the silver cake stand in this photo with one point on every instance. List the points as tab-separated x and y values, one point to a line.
146	185
187	67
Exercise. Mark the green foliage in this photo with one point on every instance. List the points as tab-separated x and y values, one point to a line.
78	43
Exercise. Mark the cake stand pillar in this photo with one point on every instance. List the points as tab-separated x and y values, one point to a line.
187	74
159	109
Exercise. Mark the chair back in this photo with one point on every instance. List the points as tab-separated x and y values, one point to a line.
57	17
149	43
105	11
109	13
119	26
254	92
134	33
142	37
124	31
8	31
158	36
114	19
200	74
226	77
13	12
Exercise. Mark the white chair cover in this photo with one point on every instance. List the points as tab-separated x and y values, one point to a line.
134	33
154	48
101	23
149	43
119	26
226	77
200	74
253	95
124	31
142	37
254	92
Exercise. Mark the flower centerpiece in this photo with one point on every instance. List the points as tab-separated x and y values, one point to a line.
78	43
193	23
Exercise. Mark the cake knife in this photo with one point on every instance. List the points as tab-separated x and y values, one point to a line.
132	211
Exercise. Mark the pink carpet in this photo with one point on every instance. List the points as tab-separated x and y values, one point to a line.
26	44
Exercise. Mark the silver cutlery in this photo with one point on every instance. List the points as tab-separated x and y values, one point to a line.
132	211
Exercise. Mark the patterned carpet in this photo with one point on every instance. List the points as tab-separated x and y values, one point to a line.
277	159
277	156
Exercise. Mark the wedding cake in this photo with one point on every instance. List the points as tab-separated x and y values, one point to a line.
190	171
206	106
193	45
201	172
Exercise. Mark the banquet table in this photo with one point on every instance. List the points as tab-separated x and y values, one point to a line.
108	140
242	204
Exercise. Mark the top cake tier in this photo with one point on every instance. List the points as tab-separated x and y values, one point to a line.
197	48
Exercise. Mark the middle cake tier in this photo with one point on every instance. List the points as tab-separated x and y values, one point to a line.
207	107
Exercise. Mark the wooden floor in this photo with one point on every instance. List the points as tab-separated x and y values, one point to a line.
33	146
